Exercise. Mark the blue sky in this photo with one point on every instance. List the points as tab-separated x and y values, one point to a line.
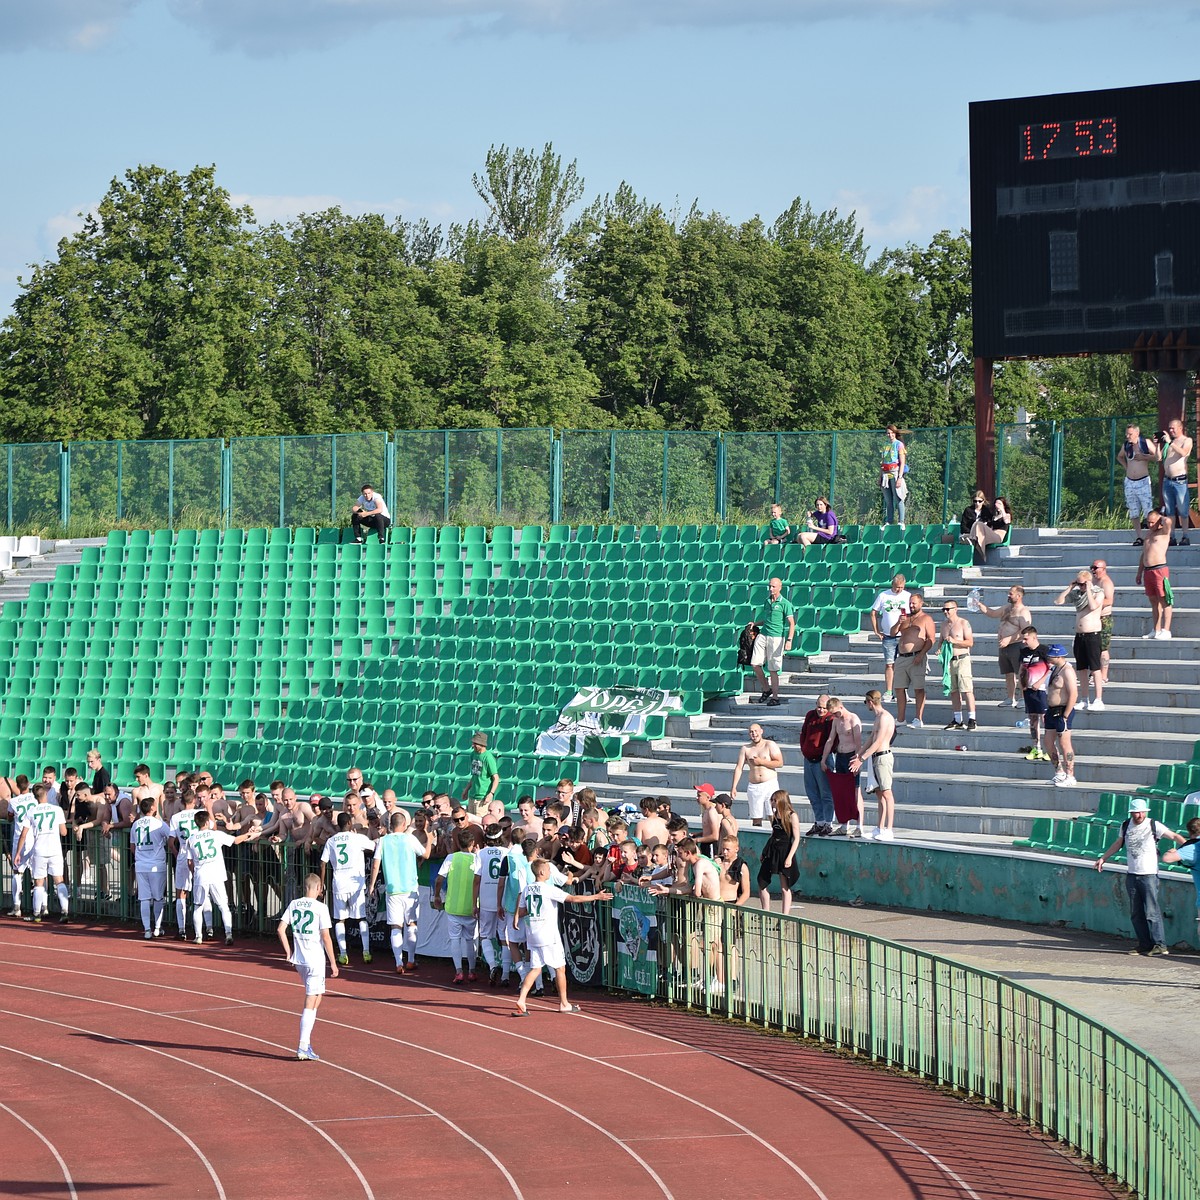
390	105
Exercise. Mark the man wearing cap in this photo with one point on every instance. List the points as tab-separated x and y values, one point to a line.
814	733
762	757
370	510
1062	692
723	803
709	836
1140	835
485	776
772	643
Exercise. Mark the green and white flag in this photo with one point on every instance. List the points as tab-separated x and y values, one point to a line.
598	721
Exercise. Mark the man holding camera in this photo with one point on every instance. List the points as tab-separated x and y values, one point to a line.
1176	449
1136	456
1088	599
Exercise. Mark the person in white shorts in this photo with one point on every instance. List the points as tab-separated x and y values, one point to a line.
181	826
42	832
762	757
487	876
346	852
308	919
18	808
205	849
457	880
516	875
397	854
148	837
539	906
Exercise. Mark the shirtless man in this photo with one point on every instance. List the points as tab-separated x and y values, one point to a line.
763	758
212	797
1062	691
1152	575
1135	456
527	816
144	789
956	632
1176	499
877	757
843	743
171	801
1088	600
735	874
1013	617
1103	581
652	829
321	828
917	634
723	803
710	820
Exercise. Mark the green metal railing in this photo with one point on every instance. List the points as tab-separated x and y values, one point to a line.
981	1034
1049	470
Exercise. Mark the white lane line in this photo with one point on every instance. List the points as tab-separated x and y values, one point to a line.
124	1096
203	1009
108	1037
37	1133
474	1066
380	1117
655	1054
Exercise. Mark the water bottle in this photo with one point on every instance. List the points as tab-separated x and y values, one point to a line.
1021	724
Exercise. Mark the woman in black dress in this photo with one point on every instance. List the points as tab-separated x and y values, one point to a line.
779	854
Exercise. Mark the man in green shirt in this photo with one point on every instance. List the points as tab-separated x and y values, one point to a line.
778	528
771	643
485	776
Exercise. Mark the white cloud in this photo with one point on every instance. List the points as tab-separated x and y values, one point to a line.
64	225
268	208
889	222
60	24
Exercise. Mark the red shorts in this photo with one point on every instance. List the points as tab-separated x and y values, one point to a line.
1153	579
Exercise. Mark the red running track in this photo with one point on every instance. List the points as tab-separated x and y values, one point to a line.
161	1069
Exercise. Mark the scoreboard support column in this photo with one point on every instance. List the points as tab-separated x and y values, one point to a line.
1172	397
985	428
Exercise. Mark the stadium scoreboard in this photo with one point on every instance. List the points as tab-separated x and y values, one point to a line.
1085	221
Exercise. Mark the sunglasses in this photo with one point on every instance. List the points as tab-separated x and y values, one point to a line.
460	820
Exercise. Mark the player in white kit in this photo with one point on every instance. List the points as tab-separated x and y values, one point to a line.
18	808
346	853
539	907
488	861
42	831
308	919
181	826
148	837
205	849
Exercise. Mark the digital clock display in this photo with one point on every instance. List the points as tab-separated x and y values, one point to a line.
1090	137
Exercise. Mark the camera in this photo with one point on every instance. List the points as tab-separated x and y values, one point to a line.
1164	437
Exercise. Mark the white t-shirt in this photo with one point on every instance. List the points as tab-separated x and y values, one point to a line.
487	867
374	505
204	848
541	901
46	825
148	837
890	606
1141	846
20	807
182	824
306	917
346	854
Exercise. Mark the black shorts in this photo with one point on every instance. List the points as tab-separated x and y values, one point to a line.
1035	701
1087	651
1010	659
1056	719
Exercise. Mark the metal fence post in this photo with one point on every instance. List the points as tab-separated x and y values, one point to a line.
1001	438
946	475
722	482
666	466
1056	472
556	480
333	492
612	472
778	467
832	468
64	483
226	484
282	452
389	474
120	480
446	475
499	472
171	482
1112	460
8	477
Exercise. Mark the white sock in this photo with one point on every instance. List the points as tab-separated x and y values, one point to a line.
506	962
522	969
410	942
958	716
364	932
471	955
160	907
64	897
181	914
146	915
198	918
397	940
489	953
339	930
971	715
456	953
308	1018
17	879
226	919
39	901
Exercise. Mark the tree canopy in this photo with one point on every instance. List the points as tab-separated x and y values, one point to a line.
172	313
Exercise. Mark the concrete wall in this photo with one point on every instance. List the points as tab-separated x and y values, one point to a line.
1031	888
